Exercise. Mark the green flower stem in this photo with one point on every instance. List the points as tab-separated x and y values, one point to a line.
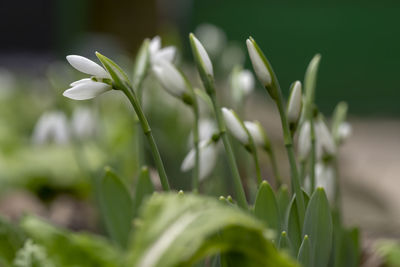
292	160
337	199
196	179
275	169
149	136
313	155
241	197
254	154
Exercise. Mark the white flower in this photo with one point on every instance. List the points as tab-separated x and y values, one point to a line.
344	131
208	152
87	88
304	140
157	53
170	78
235	126
204	58
325	178
242	84
83	122
256	133
207	128
259	66
295	103
51	127
325	144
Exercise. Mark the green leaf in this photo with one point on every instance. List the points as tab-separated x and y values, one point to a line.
144	188
318	226
283	199
71	249
347	247
305	256
117	74
293	225
116	207
176	230
266	207
11	240
142	62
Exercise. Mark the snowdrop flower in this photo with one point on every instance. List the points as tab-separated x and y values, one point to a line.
208	151
294	103
304	141
258	134
235	126
344	131
242	84
325	144
88	88
325	178
201	55
170	78
157	53
207	128
261	70
83	122
51	127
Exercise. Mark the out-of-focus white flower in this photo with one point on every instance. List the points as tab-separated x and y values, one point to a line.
235	126
304	140
344	131
170	78
157	53
325	145
261	70
212	37
256	133
83	123
208	151
51	127
242	84
203	56
294	103
7	83
325	178
207	128
89	87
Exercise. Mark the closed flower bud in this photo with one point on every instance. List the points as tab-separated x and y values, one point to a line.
201	55
258	134
304	141
235	126
295	103
261	70
170	78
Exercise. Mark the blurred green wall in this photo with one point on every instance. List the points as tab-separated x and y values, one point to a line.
359	43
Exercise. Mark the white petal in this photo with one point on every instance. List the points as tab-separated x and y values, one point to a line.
325	178
234	126
166	54
304	141
51	127
170	78
86	90
259	67
324	138
344	130
80	81
204	56
294	106
155	45
246	81
87	66
255	133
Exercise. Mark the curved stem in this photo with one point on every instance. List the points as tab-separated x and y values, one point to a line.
149	136
231	158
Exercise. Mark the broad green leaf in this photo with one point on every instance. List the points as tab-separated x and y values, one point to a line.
141	64
117	74
71	249
32	255
177	230
283	199
284	242
144	188
318	226
116	207
305	256
293	224
11	240
266	207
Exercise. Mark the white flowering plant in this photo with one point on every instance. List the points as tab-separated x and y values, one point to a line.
150	222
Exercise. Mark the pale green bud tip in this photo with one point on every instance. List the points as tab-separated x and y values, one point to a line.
261	70
202	54
305	237
180	193
295	103
235	126
283	233
222	198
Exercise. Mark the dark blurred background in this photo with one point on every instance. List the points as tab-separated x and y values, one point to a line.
359	40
